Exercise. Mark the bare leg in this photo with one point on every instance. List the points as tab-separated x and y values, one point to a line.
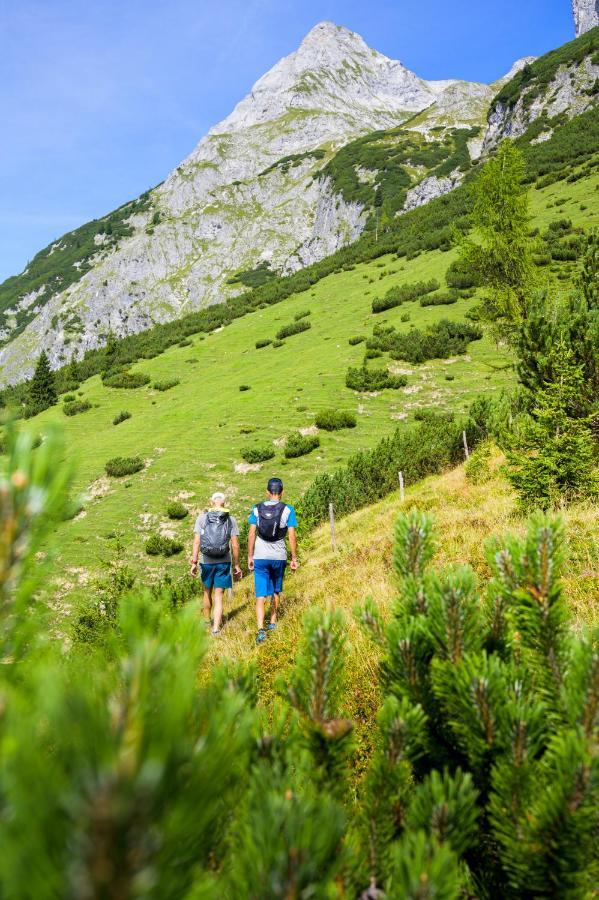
274	608
218	608
260	611
207	603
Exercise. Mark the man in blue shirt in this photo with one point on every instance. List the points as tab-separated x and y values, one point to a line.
270	523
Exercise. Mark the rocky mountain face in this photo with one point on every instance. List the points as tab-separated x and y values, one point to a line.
251	194
262	192
586	15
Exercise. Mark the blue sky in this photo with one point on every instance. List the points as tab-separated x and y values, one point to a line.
100	100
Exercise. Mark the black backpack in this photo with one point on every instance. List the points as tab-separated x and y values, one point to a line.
216	533
269	521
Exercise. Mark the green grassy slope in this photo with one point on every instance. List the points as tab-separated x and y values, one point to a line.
192	436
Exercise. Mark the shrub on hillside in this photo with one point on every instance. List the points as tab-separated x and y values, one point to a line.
302	315
459	276
158	545
121	417
126	380
300	445
166	385
373	379
440	298
68	398
278	344
177	510
404	293
335	420
439	341
263	343
477	468
244	387
75	407
358	339
293	328
257	454
119	466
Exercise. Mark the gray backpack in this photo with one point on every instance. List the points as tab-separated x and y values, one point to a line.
217	533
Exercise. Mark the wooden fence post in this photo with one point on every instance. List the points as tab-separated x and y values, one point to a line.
332	518
402	492
466	450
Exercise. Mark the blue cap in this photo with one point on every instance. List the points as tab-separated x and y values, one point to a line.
275	486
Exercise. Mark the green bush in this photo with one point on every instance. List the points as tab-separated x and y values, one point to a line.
335	419
126	380
120	466
263	343
293	328
404	293
257	454
278	344
166	385
244	387
75	407
177	510
68	398
300	445
439	341
373	379
477	468
158	545
121	417
358	339
302	315
459	276
441	298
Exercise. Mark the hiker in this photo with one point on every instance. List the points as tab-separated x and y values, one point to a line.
216	534
270	522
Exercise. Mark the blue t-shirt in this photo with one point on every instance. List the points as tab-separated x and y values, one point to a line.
273	549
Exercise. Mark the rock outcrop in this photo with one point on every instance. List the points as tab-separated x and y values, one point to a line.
586	15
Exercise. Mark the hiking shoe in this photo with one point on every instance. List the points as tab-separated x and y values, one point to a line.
271	626
261	636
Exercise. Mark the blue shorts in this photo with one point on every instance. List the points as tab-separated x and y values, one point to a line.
268	576
216	575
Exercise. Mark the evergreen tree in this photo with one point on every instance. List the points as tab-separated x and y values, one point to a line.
42	392
556	457
502	262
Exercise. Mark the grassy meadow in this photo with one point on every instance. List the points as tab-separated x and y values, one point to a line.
191	437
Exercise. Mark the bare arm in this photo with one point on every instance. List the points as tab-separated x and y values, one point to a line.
251	544
235	549
195	555
293	545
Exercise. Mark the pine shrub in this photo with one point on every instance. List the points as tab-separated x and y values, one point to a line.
302	315
166	385
440	298
68	398
244	387
121	417
373	380
75	407
158	545
126	380
300	445
257	454
405	293
177	510
358	339
263	343
293	328
120	466
335	419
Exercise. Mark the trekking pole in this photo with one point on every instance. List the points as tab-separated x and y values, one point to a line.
332	519
466	450
402	493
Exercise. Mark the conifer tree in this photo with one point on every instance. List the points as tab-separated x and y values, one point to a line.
42	392
502	262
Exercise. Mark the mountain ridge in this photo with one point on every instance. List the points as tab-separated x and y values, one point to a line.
253	193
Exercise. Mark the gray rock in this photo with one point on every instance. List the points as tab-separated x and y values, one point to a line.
586	15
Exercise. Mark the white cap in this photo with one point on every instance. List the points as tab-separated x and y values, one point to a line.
218	495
